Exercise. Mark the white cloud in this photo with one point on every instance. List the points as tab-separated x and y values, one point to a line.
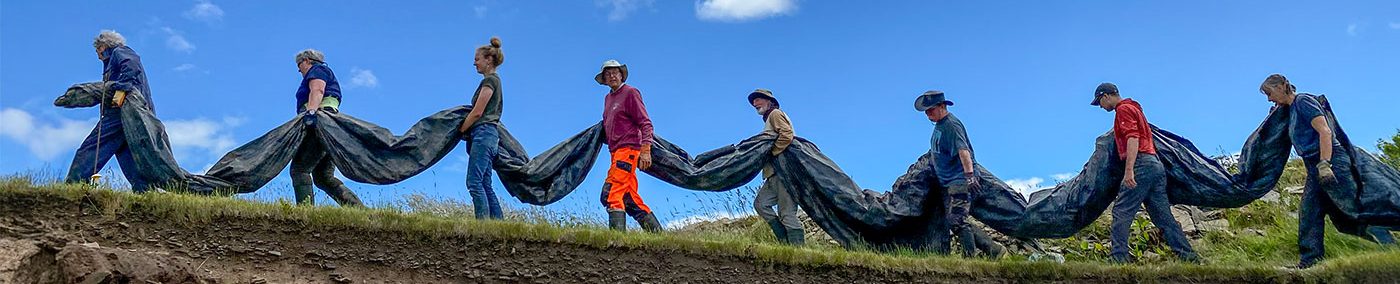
176	41
1025	186
1395	25
44	139
201	135
206	12
47	138
681	223
742	10
363	78
480	11
1353	29
620	9
184	67
1060	177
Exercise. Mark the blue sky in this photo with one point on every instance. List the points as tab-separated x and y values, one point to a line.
846	72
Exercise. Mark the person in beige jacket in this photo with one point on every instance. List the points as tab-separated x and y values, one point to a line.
783	221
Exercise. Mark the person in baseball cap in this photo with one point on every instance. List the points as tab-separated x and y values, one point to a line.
1104	89
1144	178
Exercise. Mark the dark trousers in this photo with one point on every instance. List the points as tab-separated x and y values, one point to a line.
92	156
312	165
1317	204
1151	191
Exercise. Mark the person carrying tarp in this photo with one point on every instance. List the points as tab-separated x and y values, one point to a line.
954	164
1307	129
311	164
1144	178
628	132
480	125
783	221
122	66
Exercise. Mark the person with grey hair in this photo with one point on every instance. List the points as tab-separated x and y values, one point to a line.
319	91
122	67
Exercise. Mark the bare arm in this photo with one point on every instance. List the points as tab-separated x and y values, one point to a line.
1324	137
318	91
966	157
478	108
1129	177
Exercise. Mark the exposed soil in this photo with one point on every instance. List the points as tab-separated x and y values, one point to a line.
46	239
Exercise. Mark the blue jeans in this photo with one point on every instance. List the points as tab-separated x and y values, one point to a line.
91	156
485	143
1151	190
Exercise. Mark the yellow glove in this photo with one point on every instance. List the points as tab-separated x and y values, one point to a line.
118	98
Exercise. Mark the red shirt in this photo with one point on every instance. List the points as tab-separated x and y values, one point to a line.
625	120
1129	122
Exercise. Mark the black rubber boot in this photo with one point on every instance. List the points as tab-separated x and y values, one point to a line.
779	232
967	241
796	237
649	223
343	196
617	220
989	247
303	192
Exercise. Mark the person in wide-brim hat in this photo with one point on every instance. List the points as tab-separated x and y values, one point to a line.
628	132
954	165
611	63
786	227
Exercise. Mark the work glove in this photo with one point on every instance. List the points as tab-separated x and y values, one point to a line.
118	98
308	118
974	184
1324	171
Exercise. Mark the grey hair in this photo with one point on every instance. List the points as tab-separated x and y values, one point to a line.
108	39
311	54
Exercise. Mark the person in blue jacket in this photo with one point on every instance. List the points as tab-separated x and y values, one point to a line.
121	66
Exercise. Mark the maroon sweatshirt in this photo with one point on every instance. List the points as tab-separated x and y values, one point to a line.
625	119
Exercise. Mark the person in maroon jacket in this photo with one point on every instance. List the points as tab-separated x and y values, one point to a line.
1144	178
628	131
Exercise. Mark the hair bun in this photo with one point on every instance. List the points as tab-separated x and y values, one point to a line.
496	42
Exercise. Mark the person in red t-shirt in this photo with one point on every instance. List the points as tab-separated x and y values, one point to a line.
1144	178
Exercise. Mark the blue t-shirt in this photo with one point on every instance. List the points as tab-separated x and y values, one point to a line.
1305	107
949	136
318	71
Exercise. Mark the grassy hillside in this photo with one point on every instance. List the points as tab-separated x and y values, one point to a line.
1230	258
